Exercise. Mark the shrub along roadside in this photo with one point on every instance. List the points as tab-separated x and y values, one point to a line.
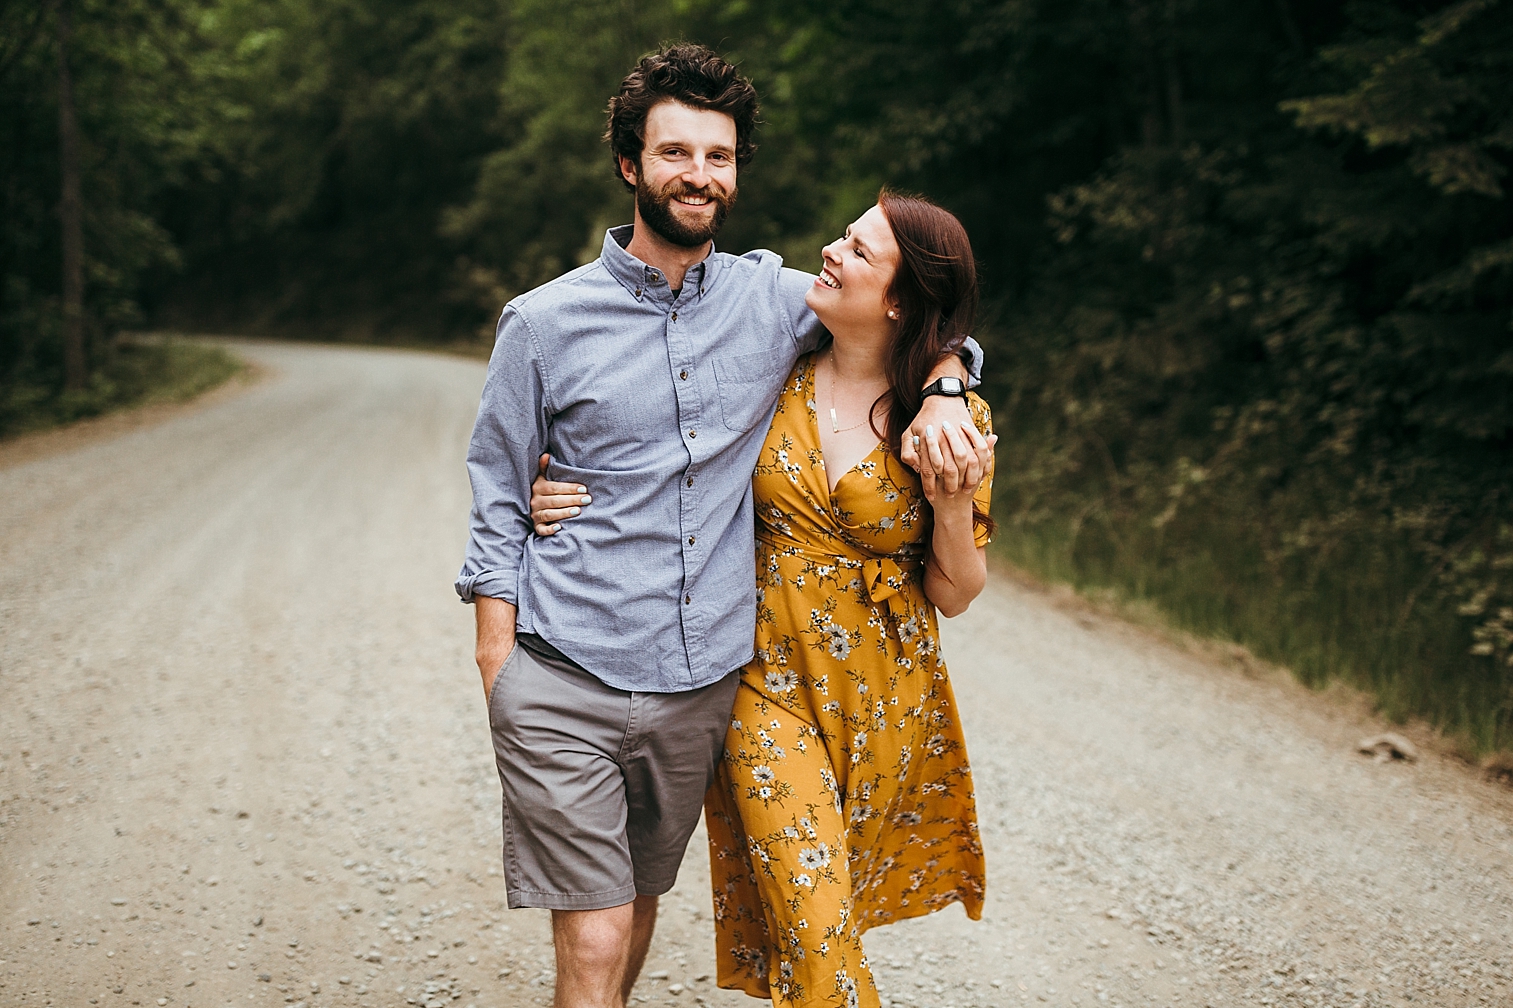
132	372
1359	620
1264	384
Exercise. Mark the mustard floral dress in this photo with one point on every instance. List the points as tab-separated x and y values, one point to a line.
844	799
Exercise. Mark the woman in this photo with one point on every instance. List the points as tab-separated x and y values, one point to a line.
844	799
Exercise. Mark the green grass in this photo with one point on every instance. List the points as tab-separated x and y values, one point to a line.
1358	615
133	372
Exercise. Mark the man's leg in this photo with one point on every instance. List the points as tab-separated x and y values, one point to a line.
677	743
593	948
643	923
557	732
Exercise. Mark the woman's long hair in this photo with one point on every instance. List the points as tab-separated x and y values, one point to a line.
935	292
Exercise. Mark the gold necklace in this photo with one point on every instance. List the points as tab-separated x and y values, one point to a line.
835	425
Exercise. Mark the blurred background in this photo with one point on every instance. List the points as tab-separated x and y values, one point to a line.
1248	263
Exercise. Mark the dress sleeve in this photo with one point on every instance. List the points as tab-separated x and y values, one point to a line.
982	416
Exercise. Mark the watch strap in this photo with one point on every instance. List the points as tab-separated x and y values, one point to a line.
945	387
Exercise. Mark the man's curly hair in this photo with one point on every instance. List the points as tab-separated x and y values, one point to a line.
692	74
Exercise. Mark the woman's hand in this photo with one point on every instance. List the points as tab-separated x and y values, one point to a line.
959	460
553	503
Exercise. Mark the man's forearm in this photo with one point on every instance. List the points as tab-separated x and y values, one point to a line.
496	633
935	411
949	366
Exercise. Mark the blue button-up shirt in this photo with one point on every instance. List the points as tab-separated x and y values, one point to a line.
659	404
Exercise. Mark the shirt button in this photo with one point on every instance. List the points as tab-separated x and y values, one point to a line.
688	600
693	433
690	481
690	540
683	375
638	292
674	316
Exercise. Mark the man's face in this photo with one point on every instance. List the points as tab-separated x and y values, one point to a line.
685	183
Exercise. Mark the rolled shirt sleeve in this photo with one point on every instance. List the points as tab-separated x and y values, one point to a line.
508	438
971	359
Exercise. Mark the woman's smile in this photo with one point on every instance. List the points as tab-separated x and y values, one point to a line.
856	269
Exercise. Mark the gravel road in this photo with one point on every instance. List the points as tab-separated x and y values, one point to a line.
244	759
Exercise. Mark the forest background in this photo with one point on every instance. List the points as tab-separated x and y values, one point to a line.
1249	263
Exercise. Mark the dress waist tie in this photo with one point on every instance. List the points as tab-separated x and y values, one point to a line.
882	575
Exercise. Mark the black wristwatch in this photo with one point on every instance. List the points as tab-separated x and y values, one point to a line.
945	386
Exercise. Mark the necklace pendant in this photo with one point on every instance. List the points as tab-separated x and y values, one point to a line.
835	425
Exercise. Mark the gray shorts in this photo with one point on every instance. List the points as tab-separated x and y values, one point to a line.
602	788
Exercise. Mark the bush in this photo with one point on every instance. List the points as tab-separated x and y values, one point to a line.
134	372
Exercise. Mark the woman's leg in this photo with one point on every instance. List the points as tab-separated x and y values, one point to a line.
740	928
782	795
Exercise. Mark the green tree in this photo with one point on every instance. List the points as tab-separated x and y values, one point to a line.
352	125
79	243
1271	366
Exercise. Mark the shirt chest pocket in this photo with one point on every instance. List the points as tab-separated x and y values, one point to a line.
749	386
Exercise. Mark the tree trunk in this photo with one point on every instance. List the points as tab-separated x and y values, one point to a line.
1143	34
70	211
1175	120
1290	26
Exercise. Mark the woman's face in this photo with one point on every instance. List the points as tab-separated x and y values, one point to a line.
852	287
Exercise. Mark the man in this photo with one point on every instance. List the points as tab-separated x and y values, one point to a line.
652	374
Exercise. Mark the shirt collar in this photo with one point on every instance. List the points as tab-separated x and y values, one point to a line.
641	279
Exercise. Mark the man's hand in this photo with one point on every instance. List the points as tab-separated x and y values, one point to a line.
553	503
496	637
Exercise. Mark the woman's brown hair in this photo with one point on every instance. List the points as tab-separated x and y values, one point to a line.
935	293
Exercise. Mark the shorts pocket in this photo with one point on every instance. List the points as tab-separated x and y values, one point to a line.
509	662
749	386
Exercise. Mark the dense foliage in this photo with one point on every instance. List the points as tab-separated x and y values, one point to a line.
1250	262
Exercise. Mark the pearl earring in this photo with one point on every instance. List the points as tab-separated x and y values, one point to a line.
893	314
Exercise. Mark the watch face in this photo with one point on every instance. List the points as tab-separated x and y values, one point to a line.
950	386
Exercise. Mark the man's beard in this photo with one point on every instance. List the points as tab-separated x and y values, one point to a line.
657	214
